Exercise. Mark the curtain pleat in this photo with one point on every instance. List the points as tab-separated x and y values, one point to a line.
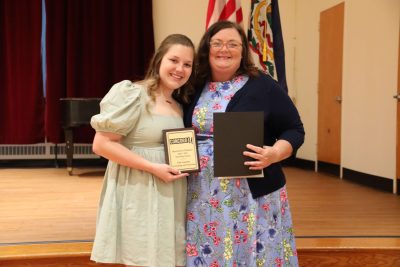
91	45
21	90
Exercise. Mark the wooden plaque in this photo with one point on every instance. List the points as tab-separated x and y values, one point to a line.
181	149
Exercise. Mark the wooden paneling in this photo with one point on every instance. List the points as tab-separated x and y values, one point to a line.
350	257
311	252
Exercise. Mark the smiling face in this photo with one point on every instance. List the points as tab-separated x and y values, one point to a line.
176	67
225	60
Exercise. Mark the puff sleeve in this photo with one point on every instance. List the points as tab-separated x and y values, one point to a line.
119	109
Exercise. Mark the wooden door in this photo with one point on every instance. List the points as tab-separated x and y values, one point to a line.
395	185
330	84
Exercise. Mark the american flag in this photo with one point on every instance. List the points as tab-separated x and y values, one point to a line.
224	10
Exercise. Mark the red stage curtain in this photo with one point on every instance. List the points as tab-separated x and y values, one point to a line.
91	45
21	90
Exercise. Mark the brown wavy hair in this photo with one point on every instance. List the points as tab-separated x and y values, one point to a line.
202	63
152	78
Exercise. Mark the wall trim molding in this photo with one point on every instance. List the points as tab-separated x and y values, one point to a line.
373	181
377	182
329	168
299	163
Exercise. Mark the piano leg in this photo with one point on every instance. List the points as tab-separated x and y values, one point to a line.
69	148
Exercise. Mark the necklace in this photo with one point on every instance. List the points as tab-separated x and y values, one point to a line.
162	97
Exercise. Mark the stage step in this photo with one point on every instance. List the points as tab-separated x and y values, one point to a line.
329	252
349	252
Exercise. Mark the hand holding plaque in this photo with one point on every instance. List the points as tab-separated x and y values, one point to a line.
181	149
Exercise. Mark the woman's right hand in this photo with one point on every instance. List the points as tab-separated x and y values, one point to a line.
167	173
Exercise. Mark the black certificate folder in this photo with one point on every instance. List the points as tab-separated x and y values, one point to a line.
232	131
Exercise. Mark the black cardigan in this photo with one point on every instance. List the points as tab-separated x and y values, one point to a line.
281	121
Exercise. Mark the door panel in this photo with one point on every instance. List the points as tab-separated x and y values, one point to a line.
330	84
395	190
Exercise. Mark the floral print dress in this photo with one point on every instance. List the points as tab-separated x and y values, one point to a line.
225	225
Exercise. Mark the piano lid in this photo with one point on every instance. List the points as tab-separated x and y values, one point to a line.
78	111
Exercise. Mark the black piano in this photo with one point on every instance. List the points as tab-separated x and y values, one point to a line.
76	112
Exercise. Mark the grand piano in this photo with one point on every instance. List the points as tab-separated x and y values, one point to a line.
76	112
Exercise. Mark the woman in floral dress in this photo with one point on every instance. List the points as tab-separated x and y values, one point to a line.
240	222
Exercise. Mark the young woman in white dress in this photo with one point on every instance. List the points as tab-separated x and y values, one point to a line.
141	216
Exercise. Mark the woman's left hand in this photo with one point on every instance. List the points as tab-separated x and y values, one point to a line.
264	156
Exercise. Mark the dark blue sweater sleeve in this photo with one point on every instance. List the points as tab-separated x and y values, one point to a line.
284	117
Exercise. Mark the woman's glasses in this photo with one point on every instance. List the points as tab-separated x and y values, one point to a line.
231	45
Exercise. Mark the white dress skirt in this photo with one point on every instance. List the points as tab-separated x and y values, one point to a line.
141	219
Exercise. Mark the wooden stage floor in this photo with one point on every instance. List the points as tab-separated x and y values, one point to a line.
47	206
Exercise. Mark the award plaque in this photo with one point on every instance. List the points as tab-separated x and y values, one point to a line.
181	149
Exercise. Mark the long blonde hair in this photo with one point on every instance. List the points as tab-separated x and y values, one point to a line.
152	78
